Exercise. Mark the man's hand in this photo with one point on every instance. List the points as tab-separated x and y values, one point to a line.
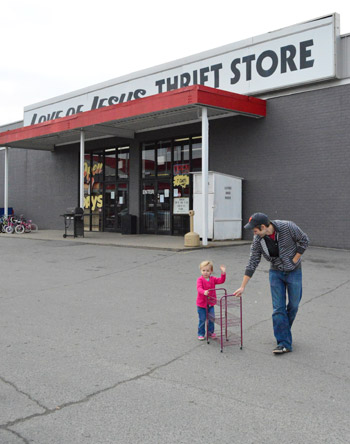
296	258
239	292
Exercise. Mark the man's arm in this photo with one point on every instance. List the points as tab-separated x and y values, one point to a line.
300	238
240	290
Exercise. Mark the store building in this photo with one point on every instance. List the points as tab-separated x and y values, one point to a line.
273	110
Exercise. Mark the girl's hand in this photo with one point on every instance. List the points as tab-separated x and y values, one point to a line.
206	293
223	269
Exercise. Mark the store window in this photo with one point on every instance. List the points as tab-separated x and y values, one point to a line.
148	161
164	159
196	154
110	164
123	162
106	175
167	184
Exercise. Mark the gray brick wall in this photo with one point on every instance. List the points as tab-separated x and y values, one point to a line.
42	184
295	162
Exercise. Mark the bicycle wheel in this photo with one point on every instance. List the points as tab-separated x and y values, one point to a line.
9	229
33	227
19	229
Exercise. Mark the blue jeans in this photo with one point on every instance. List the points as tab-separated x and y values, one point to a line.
284	314
202	314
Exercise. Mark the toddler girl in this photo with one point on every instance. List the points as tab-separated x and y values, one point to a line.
205	283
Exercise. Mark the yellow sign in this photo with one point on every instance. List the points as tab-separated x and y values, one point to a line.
93	202
181	180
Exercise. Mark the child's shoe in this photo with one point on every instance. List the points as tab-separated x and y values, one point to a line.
201	338
212	335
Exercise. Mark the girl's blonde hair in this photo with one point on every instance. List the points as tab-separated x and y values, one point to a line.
205	264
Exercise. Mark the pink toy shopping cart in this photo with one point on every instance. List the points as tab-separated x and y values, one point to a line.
227	315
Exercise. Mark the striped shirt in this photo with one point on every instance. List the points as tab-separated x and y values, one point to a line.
291	240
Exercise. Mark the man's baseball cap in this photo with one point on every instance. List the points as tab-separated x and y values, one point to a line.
257	219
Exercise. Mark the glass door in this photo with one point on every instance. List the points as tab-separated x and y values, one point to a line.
121	204
163	207
115	205
156	207
110	208
149	207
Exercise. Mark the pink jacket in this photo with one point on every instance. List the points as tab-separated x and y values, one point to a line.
203	285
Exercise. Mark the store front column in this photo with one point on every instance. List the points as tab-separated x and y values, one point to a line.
81	174
6	188
205	165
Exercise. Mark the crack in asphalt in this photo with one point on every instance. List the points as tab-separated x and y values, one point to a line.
87	398
327	292
302	304
5	381
18	435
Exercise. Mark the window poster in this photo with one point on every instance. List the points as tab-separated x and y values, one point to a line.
181	205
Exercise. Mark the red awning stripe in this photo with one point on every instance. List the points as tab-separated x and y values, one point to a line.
191	95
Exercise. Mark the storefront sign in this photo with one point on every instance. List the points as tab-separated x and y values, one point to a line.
292	56
181	205
181	181
183	168
93	202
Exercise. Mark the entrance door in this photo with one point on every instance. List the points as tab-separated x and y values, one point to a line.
115	205
109	208
156	207
163	207
121	204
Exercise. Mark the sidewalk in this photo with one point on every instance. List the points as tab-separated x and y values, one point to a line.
148	241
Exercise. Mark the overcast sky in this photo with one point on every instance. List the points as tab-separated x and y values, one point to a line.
51	48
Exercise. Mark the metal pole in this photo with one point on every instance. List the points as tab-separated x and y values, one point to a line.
6	185
81	176
205	165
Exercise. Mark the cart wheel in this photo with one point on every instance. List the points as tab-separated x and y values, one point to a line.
221	351
64	236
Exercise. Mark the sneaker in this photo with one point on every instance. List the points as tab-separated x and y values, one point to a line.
201	338
280	349
212	335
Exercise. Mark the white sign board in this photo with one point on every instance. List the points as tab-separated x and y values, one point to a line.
181	205
292	56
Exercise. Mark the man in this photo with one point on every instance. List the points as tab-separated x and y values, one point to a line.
282	243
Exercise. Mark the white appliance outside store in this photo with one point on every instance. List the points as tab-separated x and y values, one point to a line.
224	206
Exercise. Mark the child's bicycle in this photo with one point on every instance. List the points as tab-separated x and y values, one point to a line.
25	226
8	224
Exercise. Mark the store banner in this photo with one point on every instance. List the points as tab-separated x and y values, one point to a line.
289	57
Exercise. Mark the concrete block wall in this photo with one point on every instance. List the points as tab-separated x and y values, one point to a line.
295	162
42	184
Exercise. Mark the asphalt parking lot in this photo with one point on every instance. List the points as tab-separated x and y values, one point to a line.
99	345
